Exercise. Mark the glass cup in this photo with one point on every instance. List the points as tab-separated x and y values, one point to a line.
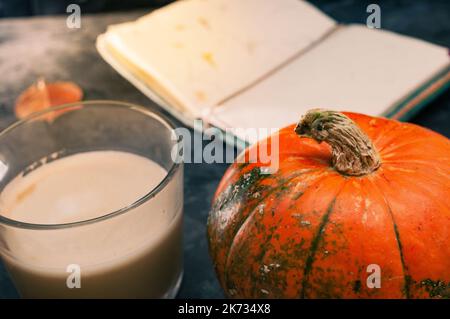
132	252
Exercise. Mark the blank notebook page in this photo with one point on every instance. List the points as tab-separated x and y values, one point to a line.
354	69
201	52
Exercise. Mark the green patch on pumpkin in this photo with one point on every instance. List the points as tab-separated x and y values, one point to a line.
436	288
237	190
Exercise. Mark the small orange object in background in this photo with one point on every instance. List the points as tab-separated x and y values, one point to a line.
42	95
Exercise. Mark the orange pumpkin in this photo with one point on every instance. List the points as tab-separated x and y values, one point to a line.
372	200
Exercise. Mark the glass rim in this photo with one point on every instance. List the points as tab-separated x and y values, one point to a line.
141	200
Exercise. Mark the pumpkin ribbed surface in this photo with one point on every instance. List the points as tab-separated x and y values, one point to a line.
308	231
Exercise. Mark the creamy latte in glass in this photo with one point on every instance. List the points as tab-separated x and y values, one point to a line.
101	220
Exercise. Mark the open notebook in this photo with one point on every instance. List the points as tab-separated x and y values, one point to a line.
263	63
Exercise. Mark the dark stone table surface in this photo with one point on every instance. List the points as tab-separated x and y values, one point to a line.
44	46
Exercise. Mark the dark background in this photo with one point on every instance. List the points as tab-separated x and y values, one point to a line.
22	8
43	46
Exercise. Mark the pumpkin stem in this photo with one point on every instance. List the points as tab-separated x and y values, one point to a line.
352	151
